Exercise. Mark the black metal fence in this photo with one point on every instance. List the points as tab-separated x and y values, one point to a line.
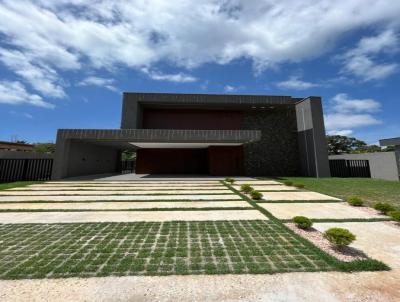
25	169
349	168
127	166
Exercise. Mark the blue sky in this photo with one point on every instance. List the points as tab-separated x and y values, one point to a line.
65	63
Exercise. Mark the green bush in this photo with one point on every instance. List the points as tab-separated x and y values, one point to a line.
302	222
355	201
230	180
339	237
288	183
299	186
395	215
246	188
256	195
383	207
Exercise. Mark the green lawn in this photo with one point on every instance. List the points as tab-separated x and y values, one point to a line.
154	248
9	185
370	190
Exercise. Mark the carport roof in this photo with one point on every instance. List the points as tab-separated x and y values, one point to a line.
395	141
161	135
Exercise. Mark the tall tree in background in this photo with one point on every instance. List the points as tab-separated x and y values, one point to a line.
338	144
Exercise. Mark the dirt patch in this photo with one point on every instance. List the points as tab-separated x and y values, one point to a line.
346	254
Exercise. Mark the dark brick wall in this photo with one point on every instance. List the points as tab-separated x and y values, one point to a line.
276	154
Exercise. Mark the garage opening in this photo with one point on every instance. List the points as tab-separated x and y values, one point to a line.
213	160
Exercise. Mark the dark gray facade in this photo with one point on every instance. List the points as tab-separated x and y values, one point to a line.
280	135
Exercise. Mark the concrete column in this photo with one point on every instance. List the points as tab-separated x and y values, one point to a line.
61	156
397	154
311	136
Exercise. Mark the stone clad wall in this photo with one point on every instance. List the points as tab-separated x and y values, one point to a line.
276	154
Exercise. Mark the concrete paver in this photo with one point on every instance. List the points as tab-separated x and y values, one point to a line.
111	192
297	196
120	197
128	216
134	182
119	187
336	210
112	205
270	188
257	182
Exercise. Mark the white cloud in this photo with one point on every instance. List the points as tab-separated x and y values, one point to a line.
231	88
296	84
342	103
346	114
41	77
14	93
341	121
64	35
362	60
100	82
176	77
344	132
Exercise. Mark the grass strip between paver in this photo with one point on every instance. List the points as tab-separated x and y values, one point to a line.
356	265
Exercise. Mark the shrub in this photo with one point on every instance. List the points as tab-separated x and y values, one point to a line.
339	237
256	195
246	188
383	207
355	201
299	186
395	215
302	222
288	183
230	180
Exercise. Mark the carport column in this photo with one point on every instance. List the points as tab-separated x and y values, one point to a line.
311	135
397	154
61	156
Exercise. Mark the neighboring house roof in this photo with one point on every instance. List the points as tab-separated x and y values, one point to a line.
16	146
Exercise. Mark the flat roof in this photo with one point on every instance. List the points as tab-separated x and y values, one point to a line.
395	141
209	99
117	137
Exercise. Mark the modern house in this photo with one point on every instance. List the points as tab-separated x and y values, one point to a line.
203	134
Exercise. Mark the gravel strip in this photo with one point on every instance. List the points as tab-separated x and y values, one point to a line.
347	254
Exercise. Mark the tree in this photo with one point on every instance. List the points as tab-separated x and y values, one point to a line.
338	144
45	147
